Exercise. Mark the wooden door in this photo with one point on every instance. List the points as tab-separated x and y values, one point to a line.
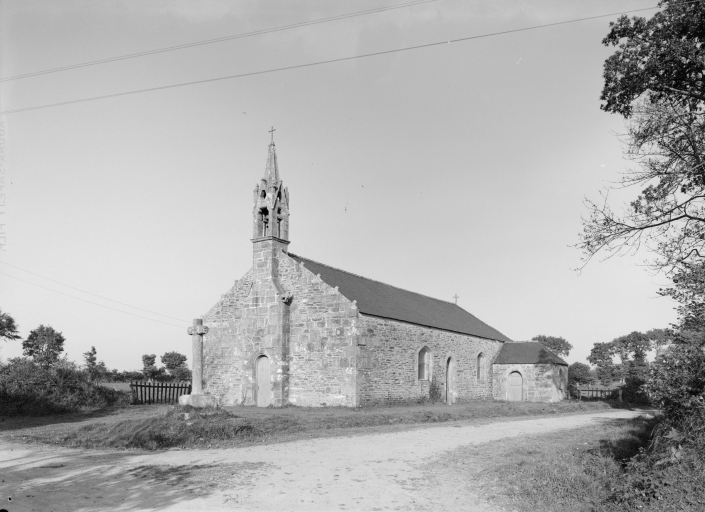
450	380
515	387
262	382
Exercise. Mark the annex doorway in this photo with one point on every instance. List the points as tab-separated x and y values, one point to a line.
515	387
450	380
263	388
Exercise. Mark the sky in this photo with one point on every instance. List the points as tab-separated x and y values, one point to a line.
457	169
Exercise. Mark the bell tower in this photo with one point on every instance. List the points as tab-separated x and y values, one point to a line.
267	312
271	204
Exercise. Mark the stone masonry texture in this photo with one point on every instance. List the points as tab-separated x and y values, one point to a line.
541	382
310	341
389	363
328	353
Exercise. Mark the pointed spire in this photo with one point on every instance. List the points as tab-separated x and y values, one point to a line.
271	172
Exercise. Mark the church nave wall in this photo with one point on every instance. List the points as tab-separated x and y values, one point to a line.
391	368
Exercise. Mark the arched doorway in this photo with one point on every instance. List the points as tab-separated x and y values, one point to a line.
450	380
515	387
263	388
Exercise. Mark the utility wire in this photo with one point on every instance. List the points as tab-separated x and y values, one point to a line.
90	293
216	40
90	302
329	61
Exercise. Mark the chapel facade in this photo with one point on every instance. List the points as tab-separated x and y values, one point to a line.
295	331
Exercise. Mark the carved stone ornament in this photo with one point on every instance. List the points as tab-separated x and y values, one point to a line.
286	297
201	329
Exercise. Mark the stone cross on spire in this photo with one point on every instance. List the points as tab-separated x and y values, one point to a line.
272	132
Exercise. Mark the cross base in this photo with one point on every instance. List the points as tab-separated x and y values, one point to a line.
198	401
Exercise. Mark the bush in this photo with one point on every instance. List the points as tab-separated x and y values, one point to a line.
670	473
676	381
27	388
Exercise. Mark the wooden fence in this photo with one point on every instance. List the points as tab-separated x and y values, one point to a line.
145	392
600	393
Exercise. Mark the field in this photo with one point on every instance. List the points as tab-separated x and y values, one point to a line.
117	386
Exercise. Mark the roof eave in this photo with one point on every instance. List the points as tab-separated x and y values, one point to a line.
429	326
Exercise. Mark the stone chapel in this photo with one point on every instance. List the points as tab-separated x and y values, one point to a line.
295	331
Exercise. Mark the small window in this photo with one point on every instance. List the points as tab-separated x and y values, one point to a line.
481	370
424	364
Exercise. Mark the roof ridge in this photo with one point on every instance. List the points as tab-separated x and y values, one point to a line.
373	280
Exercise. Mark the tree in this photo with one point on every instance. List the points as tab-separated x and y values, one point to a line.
175	364
182	373
578	374
602	356
91	358
667	217
689	291
149	368
557	345
8	328
663	57
173	360
631	349
676	381
96	369
656	80
44	345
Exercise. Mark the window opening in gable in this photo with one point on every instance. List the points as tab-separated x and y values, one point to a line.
481	370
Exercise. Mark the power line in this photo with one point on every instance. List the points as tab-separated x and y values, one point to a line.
89	293
329	61
216	40
88	301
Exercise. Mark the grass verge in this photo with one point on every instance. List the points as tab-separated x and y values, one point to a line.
162	427
581	470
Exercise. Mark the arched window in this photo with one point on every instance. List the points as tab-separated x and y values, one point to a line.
481	370
425	364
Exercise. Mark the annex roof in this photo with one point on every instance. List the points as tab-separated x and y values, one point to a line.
386	301
529	352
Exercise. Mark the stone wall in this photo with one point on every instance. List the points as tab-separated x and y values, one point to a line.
248	322
282	311
322	340
388	362
225	352
322	350
540	382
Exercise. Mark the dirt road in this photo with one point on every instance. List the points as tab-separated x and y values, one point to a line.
383	471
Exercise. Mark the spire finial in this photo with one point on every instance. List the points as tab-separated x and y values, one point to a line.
272	133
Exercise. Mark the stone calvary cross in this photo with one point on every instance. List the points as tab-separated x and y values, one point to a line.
197	398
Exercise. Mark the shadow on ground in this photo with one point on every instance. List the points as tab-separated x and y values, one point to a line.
80	480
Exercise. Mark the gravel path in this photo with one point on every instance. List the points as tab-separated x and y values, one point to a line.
382	471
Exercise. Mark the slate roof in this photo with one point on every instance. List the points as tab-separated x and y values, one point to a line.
386	301
529	352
